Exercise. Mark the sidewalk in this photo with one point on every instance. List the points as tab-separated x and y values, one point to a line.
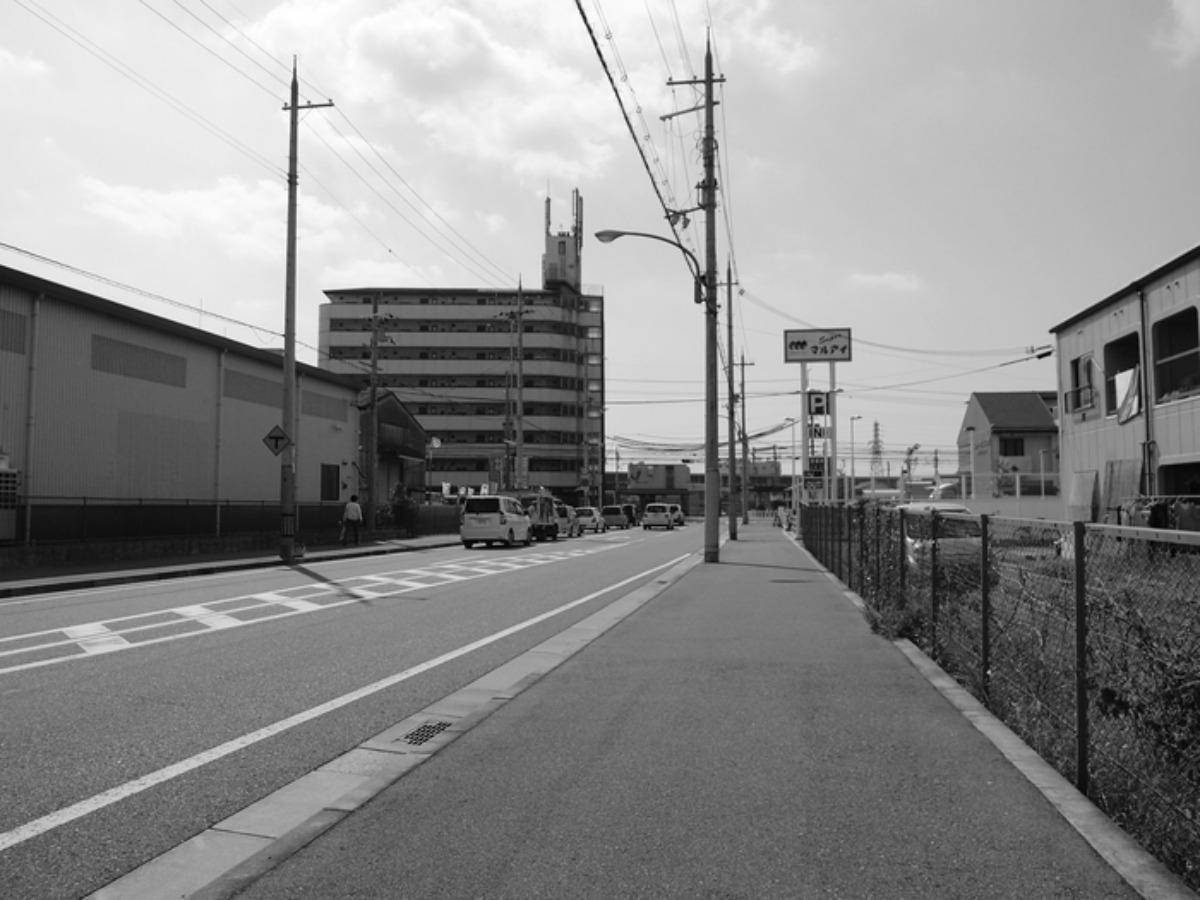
739	732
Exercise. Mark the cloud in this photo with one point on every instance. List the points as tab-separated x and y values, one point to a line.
247	220
1181	38
770	47
896	282
13	66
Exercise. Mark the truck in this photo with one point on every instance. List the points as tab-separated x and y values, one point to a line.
542	519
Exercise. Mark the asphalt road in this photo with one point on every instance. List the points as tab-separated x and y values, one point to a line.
134	717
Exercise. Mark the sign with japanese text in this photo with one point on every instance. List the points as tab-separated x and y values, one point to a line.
817	345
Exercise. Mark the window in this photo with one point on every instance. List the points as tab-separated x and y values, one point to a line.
1011	446
1081	394
1121	359
1176	357
331	482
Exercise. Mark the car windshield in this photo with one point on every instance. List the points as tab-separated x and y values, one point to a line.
483	505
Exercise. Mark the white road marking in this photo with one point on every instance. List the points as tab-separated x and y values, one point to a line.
267	606
96	638
121	792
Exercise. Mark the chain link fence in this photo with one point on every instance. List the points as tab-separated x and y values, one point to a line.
1083	639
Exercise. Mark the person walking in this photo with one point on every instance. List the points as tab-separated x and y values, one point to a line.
351	519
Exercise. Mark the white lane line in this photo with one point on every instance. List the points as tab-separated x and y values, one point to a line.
113	795
95	638
207	617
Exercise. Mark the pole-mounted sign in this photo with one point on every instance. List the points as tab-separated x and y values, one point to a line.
817	345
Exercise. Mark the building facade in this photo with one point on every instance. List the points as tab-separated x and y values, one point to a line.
1129	375
104	408
508	385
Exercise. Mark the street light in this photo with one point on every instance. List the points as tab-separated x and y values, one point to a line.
712	475
609	235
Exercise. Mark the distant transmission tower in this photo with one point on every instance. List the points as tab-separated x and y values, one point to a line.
876	452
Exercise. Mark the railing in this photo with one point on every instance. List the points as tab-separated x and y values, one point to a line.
59	520
1084	639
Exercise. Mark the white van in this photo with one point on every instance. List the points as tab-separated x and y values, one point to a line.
490	519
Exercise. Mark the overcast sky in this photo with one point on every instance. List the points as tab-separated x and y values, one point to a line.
947	178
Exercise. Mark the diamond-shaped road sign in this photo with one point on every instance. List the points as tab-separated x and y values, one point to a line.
277	440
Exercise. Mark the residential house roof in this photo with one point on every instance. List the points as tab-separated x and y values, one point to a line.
1018	411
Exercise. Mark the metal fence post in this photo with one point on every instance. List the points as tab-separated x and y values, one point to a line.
985	629
878	551
934	533
850	547
1081	698
903	558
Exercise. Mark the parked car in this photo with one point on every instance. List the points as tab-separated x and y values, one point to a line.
568	522
631	514
494	519
677	514
959	541
658	515
590	519
614	517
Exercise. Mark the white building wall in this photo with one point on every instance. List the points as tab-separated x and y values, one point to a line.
123	409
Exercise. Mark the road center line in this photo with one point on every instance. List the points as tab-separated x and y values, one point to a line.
113	795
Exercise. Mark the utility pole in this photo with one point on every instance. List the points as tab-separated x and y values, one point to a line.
745	449
712	469
287	472
733	505
520	481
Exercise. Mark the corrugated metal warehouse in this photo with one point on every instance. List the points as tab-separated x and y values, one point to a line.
106	407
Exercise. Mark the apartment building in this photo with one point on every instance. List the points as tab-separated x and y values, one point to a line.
508	385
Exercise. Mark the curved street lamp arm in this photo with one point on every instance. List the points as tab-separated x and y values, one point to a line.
609	235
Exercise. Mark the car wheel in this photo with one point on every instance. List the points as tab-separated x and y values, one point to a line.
468	544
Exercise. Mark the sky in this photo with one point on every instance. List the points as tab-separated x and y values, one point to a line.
949	180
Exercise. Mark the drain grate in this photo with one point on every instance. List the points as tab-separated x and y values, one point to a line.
426	732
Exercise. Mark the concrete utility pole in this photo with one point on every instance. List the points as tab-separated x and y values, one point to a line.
712	470
371	498
733	398
287	472
745	450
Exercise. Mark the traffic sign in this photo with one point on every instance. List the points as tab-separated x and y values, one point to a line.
277	440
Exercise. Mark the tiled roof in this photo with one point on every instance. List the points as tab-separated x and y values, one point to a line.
1023	411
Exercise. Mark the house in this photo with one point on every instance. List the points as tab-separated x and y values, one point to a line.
1129	374
1008	444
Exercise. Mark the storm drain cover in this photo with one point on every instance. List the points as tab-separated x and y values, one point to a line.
426	732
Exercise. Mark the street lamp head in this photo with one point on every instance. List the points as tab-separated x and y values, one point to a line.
608	235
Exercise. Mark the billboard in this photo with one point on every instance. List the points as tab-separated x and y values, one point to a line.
816	345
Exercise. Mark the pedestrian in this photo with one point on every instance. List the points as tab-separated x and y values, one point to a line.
351	519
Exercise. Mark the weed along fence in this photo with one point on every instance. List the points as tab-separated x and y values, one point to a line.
1084	639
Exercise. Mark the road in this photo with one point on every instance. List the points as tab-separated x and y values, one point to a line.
133	718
